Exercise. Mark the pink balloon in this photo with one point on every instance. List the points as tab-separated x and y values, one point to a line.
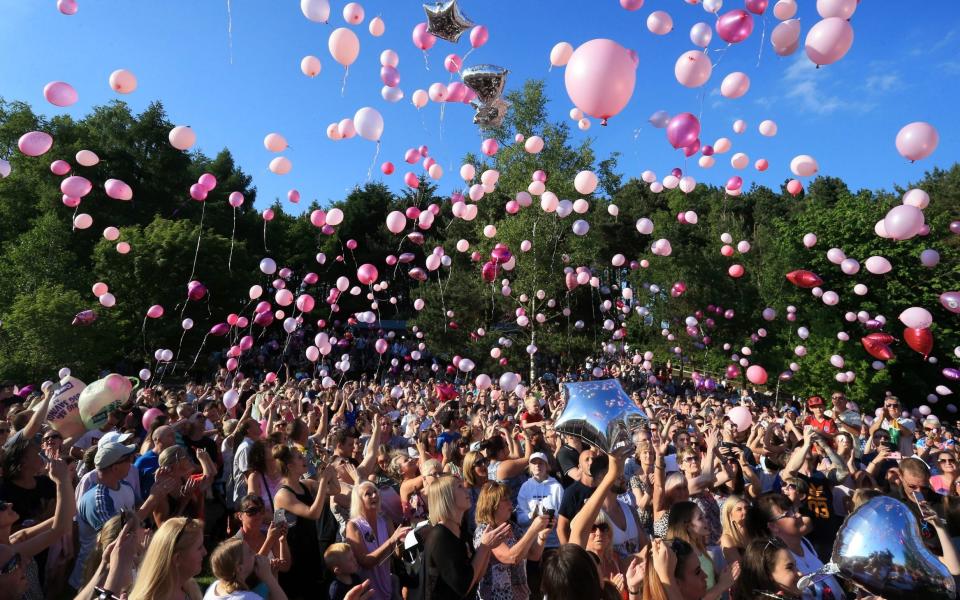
735	85
367	274
198	192
437	92
479	36
396	222
60	93
235	199
757	7
456	92
389	76
659	22
735	26
155	311
118	190
35	143
828	41
268	214
785	37
693	69
683	130
917	140
76	186
208	180
903	222
489	146
843	9
59	167
305	303
344	46
422	38
69	8
452	63
123	81
600	77
756	375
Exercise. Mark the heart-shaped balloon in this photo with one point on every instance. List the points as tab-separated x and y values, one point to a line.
879	548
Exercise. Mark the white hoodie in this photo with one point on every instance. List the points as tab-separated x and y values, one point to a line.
545	494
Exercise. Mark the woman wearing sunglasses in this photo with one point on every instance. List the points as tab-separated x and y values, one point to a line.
269	540
947	479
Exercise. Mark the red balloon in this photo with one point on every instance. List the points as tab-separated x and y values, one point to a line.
920	339
804	279
878	345
489	271
735	26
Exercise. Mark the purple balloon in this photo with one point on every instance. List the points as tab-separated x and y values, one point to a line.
683	130
951	301
955	227
735	26
873	324
707	150
390	76
676	172
951	374
692	148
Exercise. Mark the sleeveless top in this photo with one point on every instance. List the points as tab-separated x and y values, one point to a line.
512	483
379	576
626	541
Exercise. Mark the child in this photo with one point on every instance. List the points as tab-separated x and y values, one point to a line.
339	558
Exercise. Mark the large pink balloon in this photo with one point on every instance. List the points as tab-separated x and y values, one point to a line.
735	85
756	374
60	93
367	274
76	186
422	38
683	130
396	221
903	222
735	26
35	143
785	38
829	40
118	190
917	140
693	69
368	123
344	46
842	9
600	77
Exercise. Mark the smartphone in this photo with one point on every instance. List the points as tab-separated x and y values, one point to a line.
549	512
894	456
280	517
925	511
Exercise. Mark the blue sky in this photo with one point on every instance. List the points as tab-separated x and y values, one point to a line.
903	67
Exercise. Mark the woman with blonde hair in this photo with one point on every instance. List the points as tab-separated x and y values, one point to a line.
174	558
372	539
453	568
232	563
733	518
474	476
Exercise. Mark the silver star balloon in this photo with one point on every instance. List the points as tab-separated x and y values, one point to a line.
601	414
490	114
446	20
879	548
487	81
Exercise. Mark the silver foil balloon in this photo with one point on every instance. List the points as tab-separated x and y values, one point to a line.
487	81
600	413
445	20
490	114
879	548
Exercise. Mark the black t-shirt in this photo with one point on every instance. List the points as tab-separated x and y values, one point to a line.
449	572
573	499
207	444
819	507
569	458
36	504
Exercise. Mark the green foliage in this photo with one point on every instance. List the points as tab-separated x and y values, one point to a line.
47	268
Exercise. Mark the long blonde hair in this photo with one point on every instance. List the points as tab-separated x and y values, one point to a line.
736	533
158	576
225	561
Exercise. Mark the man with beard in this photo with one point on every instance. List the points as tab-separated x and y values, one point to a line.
592	467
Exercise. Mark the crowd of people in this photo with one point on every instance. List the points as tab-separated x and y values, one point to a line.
418	488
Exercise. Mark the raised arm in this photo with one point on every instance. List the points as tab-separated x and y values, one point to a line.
582	522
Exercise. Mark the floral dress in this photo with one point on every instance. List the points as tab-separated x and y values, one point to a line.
501	581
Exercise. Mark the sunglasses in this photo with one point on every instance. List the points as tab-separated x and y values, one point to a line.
253	510
602	527
11	565
788	487
949	461
891	406
787	515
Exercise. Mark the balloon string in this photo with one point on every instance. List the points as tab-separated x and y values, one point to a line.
203	211
197	357
230	31
233	234
763	36
265	249
426	63
143	332
343	87
373	162
73	219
